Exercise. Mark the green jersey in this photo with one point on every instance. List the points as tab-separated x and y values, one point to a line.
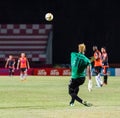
79	62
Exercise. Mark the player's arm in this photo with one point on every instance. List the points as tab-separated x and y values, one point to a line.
104	57
89	77
89	72
14	62
96	56
28	65
92	59
18	64
6	63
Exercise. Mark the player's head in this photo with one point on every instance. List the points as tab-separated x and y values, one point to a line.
95	48
10	56
22	54
103	49
82	48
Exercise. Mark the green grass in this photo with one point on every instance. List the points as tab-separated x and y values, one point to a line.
47	97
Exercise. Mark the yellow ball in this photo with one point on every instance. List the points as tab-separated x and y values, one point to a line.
49	16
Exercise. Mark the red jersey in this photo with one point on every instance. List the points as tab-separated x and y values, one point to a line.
97	57
23	62
104	58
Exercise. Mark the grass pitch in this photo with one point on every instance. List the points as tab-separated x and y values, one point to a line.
47	97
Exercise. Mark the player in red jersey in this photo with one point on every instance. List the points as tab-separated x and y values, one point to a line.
97	66
105	64
23	64
10	63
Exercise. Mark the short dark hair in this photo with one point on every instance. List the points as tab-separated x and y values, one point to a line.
104	47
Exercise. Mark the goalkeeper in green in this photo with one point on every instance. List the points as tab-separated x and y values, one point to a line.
79	64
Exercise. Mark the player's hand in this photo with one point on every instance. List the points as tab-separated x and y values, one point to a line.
90	85
92	59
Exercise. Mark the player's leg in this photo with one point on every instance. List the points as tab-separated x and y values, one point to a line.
73	99
81	82
105	79
74	89
100	80
105	75
25	74
70	91
22	74
10	71
13	70
98	76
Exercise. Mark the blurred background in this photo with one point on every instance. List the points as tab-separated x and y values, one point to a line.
91	22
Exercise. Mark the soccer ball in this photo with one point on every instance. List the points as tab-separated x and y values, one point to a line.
49	16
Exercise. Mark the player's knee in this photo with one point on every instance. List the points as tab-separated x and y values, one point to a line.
70	90
76	90
95	72
73	95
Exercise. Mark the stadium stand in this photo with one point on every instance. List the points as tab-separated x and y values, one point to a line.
33	39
